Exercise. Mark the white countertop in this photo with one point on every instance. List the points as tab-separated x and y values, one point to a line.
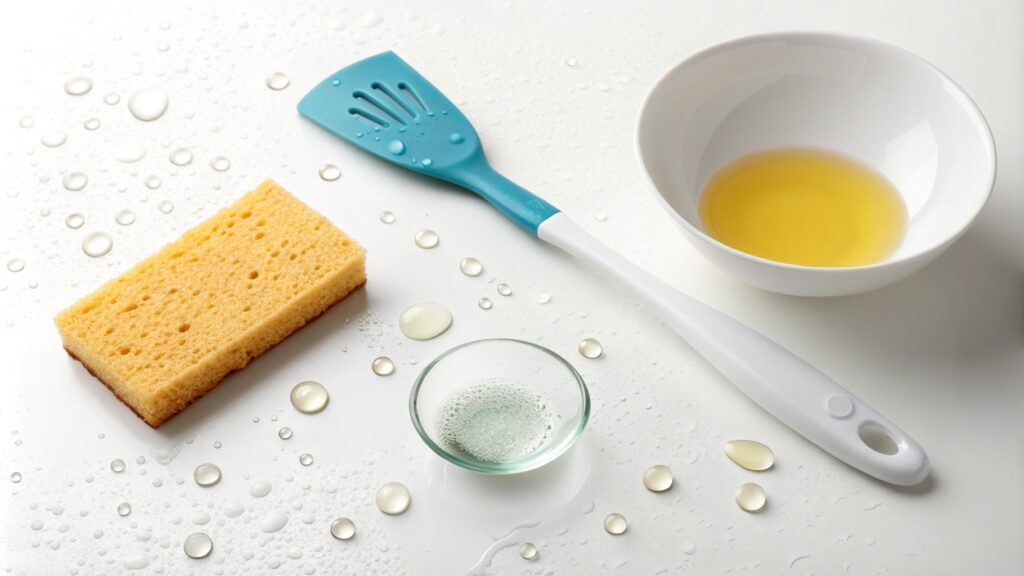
941	354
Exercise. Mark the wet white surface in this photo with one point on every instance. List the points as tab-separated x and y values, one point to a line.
940	353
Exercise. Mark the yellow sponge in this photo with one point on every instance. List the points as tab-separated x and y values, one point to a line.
167	331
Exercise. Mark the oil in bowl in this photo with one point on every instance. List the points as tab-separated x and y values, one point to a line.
804	206
499	406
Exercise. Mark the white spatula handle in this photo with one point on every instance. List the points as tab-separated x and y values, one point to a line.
789	388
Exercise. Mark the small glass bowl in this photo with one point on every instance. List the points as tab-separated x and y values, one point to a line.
500	375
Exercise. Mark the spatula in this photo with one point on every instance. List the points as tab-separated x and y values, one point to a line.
382	105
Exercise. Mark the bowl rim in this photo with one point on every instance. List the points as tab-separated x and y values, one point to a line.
968	105
516	466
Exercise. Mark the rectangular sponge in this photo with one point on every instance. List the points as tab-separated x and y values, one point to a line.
167	331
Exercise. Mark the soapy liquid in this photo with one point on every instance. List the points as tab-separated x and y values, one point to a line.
804	206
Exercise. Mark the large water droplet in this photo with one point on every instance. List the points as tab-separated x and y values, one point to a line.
749	454
309	397
16	477
383	366
284	433
198	545
330	172
427	239
504	289
590	348
260	489
273	521
206	474
125	217
54	138
342	528
396	147
220	163
180	157
124	509
117	465
615	524
148	104
78	86
278	81
97	244
424	321
75	181
658	478
485	303
387	217
528	551
306	459
74	221
15	264
393	498
471	267
135	562
456	138
751	498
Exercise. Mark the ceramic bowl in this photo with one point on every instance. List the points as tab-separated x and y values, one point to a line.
862	98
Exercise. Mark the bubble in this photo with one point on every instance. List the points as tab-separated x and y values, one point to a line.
206	475
180	157
330	172
277	81
75	181
78	86
342	528
97	244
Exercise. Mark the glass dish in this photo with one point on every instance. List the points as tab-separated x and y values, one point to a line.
499	406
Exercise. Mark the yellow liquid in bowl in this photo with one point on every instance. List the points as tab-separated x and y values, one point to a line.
804	206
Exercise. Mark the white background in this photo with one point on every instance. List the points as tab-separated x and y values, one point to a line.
940	354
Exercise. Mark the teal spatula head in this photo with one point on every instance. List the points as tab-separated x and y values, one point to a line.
382	105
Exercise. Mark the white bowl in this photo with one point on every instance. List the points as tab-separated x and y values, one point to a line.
868	100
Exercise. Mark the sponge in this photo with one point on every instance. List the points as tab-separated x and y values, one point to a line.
167	331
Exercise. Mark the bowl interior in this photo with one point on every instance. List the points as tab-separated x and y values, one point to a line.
499	406
873	102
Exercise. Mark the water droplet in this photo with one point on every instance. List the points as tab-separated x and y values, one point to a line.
198	545
427	162
36	525
658	478
571	61
140	460
427	239
74	221
15	264
284	433
749	454
97	244
590	348
504	289
75	181
330	172
148	104
277	81
471	267
309	397
91	123
15	477
111	98
751	497
152	182
166	207
306	459
27	122
54	138
387	217
543	298
615	524
372	19
342	528
135	562
125	217
217	445
260	489
456	138
124	509
220	163
206	474
129	152
78	86
383	366
180	157
600	215
528	551
117	465
273	521
689	547
485	303
396	147
425	321
393	498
